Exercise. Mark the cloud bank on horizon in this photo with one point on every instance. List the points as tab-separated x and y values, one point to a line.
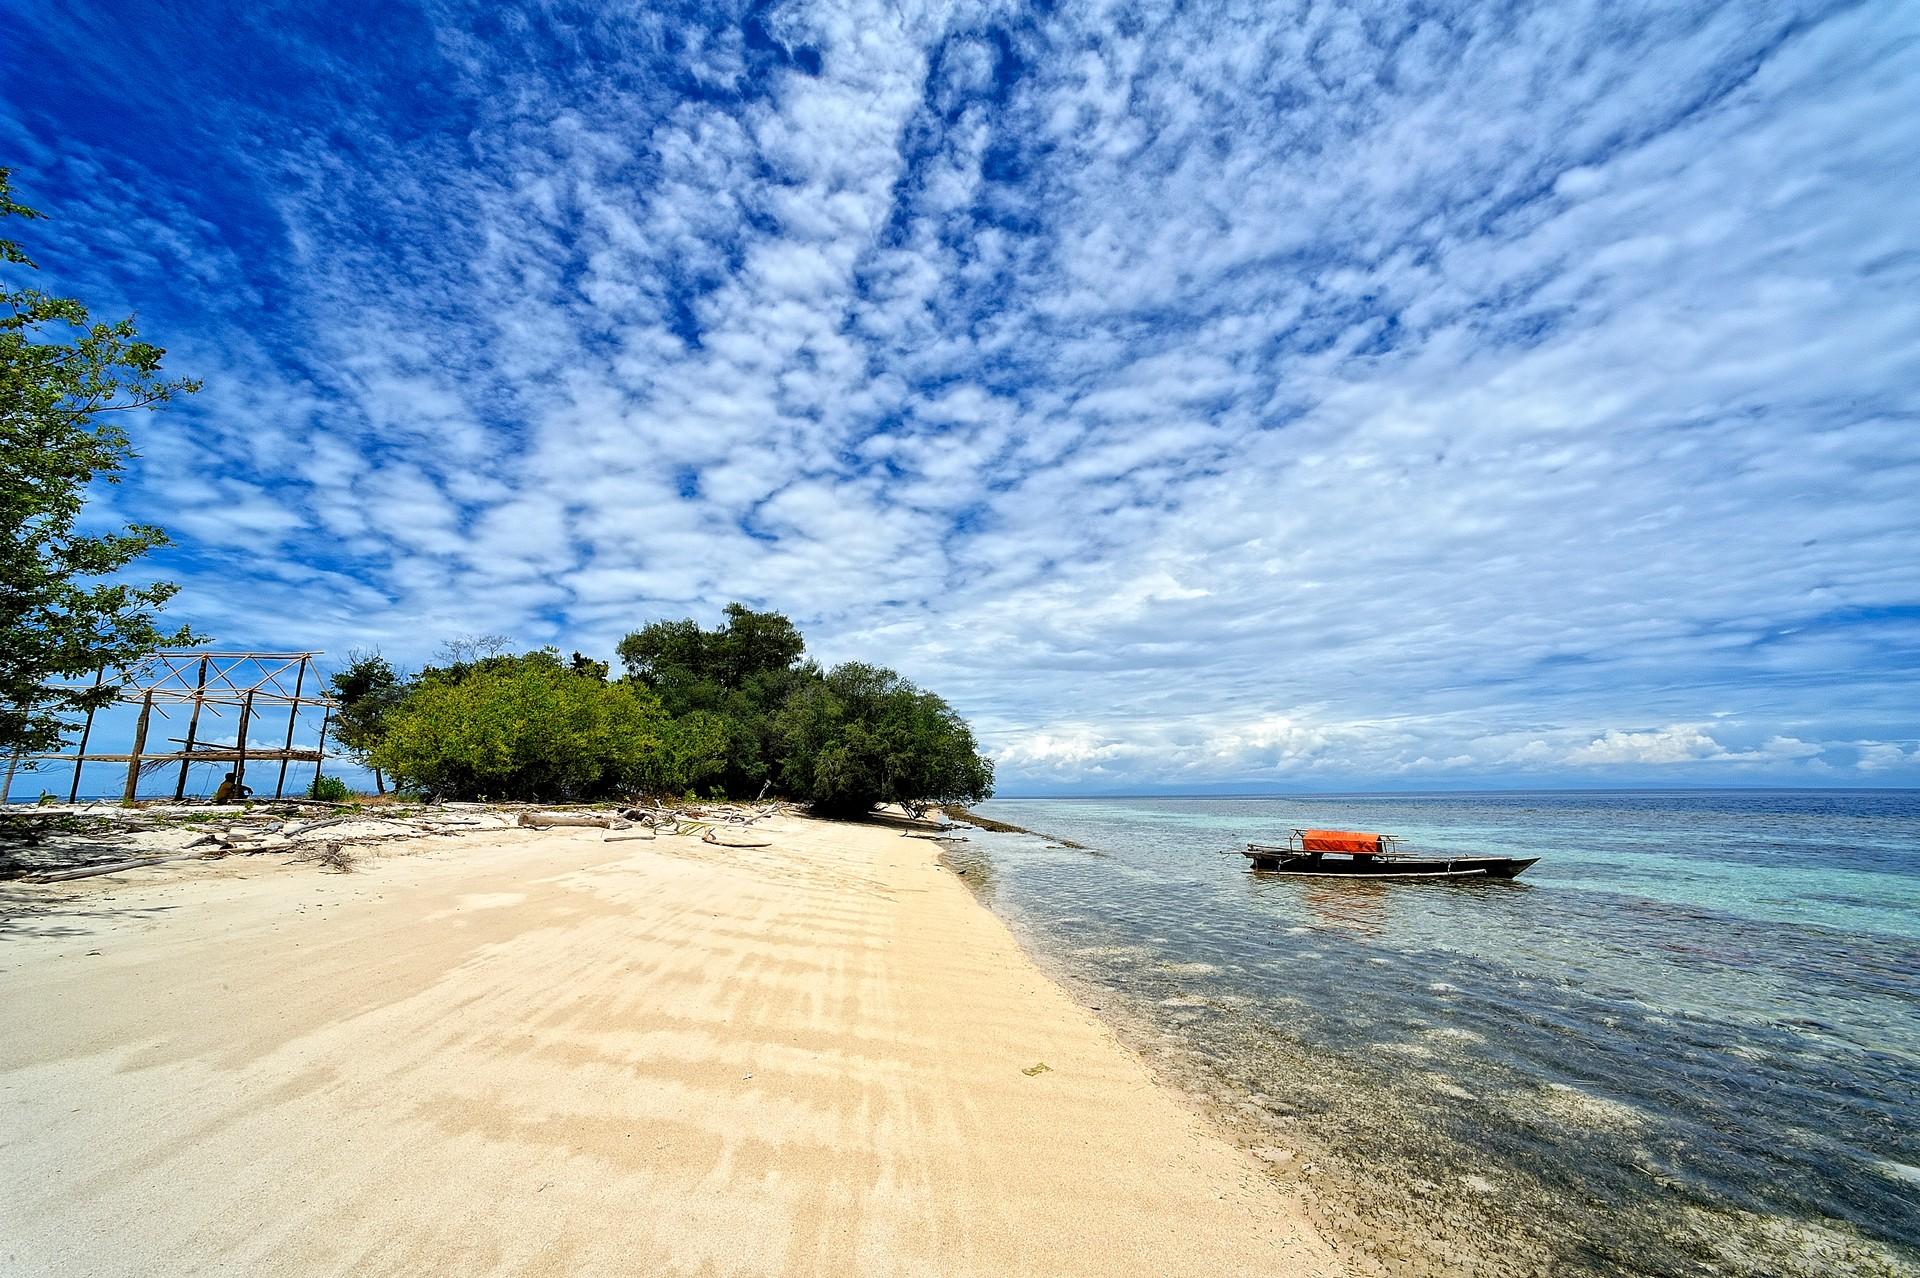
1314	395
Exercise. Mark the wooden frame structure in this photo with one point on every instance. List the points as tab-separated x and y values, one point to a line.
203	683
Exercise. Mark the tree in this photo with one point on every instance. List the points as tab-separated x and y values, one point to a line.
63	379
528	728
366	691
741	672
464	650
862	735
691	667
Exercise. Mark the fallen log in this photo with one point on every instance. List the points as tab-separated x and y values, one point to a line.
547	820
321	825
90	871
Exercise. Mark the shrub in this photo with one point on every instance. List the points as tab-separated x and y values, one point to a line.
331	789
527	728
716	712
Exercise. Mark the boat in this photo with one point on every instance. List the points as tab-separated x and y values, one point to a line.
1359	854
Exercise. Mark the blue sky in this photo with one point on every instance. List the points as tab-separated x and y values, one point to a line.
1307	396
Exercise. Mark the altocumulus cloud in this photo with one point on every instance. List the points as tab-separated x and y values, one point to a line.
1307	394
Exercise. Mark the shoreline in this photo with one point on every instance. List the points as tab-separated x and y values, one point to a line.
547	1052
1449	1201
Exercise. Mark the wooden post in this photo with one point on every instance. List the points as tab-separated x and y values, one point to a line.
320	752
193	728
293	717
139	744
80	756
240	764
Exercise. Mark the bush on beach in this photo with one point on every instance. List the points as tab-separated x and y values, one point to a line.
525	727
861	736
730	712
330	789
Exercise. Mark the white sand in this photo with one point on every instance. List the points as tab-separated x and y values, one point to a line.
541	1053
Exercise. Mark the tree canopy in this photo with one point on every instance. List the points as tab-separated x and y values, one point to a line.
64	380
862	736
364	691
730	711
526	727
740	673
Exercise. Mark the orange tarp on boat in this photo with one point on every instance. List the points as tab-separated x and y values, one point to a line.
1340	841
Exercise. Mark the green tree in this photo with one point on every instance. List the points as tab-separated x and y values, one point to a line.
741	672
694	668
862	736
530	728
64	378
367	689
698	750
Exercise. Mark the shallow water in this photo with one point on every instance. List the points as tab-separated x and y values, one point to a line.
1688	1041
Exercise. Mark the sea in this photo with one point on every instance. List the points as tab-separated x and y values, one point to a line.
1687	1042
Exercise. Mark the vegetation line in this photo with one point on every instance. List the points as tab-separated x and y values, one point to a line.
733	712
959	812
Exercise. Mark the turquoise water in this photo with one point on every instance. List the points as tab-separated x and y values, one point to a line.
1688	1041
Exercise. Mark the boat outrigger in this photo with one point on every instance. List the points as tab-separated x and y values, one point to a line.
1344	854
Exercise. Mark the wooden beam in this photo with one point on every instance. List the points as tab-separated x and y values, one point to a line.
240	745
202	754
320	752
79	759
293	717
139	744
193	727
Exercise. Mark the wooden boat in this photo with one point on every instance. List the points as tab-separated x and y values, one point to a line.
1355	854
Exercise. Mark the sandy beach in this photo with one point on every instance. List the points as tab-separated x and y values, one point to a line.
546	1053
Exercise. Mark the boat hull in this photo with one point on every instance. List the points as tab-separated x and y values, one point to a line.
1288	861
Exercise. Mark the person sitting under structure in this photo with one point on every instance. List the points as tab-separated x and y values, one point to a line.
231	790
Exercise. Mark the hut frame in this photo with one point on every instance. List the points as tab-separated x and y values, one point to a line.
201	683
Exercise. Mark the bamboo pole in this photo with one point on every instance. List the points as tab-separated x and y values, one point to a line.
80	757
240	764
320	751
193	728
139	744
293	717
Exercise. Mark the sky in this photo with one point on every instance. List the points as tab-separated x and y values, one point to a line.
1219	398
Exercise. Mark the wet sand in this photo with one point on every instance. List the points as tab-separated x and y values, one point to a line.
545	1053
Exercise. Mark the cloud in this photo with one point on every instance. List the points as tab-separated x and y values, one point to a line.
1294	396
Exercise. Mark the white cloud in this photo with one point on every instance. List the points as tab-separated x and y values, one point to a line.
1275	396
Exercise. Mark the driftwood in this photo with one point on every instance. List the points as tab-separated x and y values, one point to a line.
733	841
89	871
647	835
547	820
323	824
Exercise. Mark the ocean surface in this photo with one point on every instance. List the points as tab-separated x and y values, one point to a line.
1686	1042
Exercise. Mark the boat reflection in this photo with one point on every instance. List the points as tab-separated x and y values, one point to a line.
1360	906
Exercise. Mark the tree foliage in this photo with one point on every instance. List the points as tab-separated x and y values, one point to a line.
862	735
728	711
526	727
365	691
740	673
64	379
